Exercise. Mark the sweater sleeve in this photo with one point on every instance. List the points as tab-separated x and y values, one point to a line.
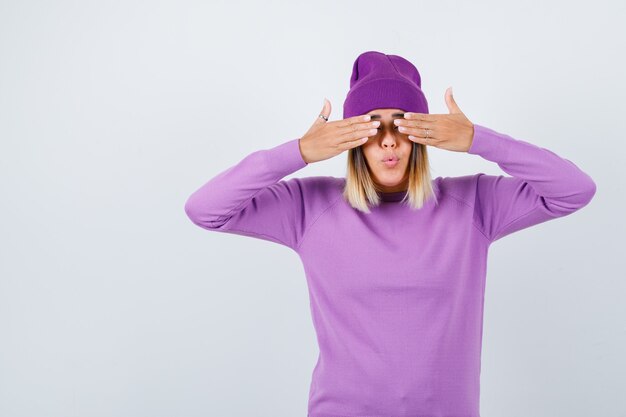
251	198
542	186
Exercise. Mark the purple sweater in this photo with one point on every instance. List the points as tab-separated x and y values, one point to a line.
396	295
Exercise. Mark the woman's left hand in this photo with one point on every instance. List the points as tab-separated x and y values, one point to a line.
453	131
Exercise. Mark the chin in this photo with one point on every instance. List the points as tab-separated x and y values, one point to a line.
390	181
390	178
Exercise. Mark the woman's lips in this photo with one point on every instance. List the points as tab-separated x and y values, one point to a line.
391	163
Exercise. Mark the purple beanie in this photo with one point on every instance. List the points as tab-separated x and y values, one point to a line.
381	81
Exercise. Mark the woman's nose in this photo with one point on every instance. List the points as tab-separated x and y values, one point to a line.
389	139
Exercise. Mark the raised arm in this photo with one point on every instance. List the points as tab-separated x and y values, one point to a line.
251	198
542	185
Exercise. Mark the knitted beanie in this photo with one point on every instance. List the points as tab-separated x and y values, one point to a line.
384	81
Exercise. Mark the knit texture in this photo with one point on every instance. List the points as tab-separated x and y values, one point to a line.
381	81
396	295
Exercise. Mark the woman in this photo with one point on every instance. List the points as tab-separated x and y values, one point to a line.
395	262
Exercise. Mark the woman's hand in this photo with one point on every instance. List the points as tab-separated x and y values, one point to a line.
327	139
453	131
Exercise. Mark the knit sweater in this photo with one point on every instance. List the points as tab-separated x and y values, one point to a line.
396	295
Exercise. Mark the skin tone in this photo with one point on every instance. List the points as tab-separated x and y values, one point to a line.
379	138
388	141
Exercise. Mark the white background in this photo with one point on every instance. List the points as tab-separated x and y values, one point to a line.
112	303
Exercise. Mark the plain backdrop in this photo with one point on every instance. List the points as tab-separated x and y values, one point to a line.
112	303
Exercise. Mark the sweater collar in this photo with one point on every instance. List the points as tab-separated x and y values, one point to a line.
394	196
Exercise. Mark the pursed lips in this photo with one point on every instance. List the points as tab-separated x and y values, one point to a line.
390	158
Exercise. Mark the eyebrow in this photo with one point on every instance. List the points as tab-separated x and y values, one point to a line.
377	116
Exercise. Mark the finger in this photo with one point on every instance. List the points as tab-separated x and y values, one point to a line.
352	143
358	127
423	141
326	109
422	116
421	132
425	136
358	134
425	124
363	118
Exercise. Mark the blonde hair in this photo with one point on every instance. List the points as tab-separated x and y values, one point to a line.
360	191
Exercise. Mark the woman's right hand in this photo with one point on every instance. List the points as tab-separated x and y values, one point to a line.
327	139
